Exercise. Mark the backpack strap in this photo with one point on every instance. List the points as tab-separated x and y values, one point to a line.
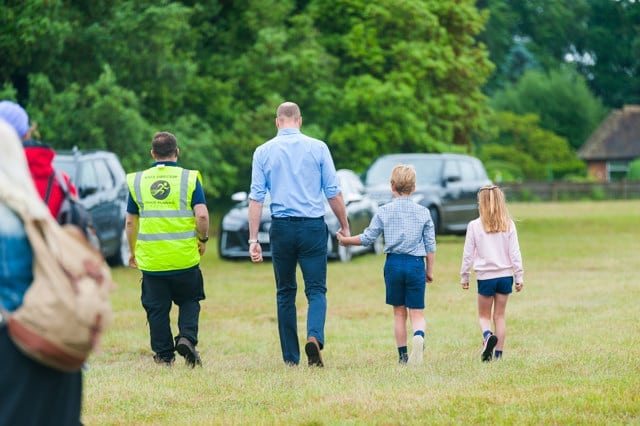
47	193
62	182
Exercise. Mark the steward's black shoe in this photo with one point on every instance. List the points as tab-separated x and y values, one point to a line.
163	361
188	351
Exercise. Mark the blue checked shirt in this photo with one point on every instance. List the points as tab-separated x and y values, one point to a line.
407	228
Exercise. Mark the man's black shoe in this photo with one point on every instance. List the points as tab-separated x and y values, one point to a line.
188	351
312	348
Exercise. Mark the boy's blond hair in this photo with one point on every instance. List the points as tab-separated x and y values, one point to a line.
403	178
493	209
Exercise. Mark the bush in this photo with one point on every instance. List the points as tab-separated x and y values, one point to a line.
634	170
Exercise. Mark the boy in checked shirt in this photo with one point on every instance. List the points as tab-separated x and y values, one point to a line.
409	239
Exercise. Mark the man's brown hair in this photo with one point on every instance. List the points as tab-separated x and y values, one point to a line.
288	110
164	144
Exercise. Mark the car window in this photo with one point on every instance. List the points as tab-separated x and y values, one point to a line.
428	170
467	171
451	169
87	177
66	166
105	178
479	168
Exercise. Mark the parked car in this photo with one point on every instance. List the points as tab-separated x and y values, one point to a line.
102	190
447	184
234	230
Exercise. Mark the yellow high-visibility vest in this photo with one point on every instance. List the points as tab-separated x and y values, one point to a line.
167	226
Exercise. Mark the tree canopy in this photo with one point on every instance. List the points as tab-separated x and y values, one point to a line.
370	77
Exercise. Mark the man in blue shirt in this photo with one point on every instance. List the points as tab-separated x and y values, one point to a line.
298	172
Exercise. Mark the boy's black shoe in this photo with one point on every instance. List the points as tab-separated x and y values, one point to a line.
487	349
188	351
312	348
163	361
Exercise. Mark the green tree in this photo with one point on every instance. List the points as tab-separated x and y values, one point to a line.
634	170
560	98
412	74
608	52
370	77
601	37
102	115
32	38
519	149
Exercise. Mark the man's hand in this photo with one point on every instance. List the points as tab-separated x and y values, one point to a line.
132	261
202	247
255	251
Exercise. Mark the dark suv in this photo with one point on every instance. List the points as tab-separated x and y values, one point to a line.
102	189
447	184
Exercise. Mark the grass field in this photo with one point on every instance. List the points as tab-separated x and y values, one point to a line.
572	353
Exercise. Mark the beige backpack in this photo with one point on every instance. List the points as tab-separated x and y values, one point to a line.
66	308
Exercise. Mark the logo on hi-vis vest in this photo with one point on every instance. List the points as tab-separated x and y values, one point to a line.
160	189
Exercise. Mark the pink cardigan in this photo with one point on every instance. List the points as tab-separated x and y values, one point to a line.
492	255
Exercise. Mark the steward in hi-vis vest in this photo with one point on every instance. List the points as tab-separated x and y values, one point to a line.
167	230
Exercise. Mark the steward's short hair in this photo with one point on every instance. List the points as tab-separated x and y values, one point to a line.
164	144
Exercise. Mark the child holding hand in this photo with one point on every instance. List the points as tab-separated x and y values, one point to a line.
409	238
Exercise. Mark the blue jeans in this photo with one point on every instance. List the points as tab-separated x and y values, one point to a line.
299	241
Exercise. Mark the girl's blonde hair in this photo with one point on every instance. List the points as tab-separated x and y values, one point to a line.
403	178
493	209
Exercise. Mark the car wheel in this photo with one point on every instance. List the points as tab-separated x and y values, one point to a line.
344	253
378	245
435	217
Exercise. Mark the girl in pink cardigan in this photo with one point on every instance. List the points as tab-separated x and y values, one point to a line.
491	247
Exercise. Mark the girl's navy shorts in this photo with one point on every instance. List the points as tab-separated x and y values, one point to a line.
502	285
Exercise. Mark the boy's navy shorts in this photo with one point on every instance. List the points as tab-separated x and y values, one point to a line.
405	279
502	285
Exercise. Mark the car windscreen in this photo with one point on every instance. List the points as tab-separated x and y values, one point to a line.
66	165
428	170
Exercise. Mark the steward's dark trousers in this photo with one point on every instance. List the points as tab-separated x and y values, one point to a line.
185	289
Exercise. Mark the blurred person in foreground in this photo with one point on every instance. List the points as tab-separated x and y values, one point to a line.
167	227
491	247
409	239
298	172
32	393
39	158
